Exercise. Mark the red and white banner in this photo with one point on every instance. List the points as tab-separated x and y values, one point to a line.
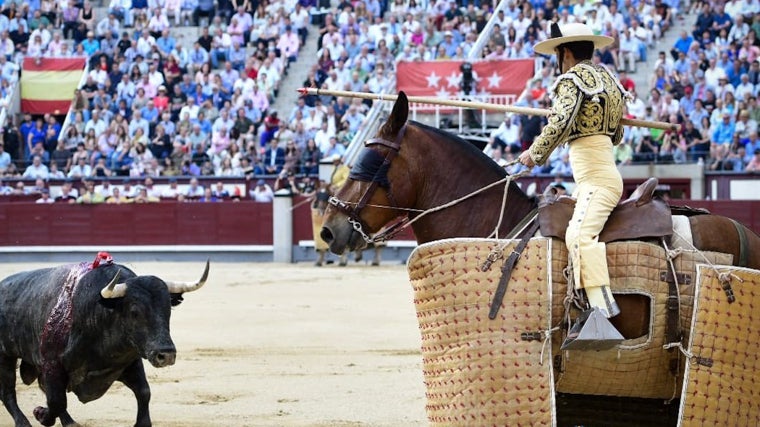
442	79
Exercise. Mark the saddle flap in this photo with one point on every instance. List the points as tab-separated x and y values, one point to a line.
724	341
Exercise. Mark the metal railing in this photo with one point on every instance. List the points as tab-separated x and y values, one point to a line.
14	103
69	115
438	110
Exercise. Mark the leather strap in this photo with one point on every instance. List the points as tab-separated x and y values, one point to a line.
673	331
506	270
743	250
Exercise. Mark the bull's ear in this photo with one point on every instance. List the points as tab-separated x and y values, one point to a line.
398	116
176	299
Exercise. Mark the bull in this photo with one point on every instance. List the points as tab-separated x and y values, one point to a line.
78	328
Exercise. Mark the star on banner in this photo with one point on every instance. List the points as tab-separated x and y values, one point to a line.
494	80
432	79
453	79
443	94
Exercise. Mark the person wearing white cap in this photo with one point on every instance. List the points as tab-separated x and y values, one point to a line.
588	103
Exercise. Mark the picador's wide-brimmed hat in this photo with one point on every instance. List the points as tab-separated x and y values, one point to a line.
568	33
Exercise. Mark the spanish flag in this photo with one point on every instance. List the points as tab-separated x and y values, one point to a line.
48	84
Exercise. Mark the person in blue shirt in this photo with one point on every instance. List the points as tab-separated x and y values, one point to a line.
449	43
187	86
36	135
205	124
52	123
90	45
720	21
150	112
682	44
724	131
166	42
121	160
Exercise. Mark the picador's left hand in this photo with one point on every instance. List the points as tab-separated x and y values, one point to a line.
526	159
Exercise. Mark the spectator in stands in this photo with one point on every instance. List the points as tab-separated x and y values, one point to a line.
754	164
205	9
507	135
274	158
5	159
68	193
723	159
89	195
81	169
117	198
37	169
45	197
142	196
724	131
262	193
194	190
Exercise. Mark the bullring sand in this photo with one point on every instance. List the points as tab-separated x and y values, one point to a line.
275	345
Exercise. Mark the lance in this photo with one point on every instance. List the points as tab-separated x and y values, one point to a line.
475	105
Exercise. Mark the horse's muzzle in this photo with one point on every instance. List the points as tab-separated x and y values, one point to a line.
340	239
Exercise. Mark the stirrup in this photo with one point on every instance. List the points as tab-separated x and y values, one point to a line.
592	331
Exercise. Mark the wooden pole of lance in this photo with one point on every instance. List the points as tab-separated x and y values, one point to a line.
476	105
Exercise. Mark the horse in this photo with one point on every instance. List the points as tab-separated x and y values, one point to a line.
409	168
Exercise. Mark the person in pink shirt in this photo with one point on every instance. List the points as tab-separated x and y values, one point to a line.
289	44
417	36
220	141
236	30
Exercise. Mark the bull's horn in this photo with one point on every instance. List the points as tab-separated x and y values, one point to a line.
182	287
114	289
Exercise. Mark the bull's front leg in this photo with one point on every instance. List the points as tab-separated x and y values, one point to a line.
134	378
8	391
55	379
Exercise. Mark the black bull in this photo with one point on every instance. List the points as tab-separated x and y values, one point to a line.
108	328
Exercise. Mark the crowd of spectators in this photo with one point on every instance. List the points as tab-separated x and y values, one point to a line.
707	82
152	104
155	105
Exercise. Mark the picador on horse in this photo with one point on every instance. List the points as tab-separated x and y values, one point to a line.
588	105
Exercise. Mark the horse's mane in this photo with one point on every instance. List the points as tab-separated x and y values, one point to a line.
468	150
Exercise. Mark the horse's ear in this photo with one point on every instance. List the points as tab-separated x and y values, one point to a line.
399	115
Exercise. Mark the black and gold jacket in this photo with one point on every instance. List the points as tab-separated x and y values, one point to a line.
587	100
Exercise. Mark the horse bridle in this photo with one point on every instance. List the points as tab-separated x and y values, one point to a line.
353	212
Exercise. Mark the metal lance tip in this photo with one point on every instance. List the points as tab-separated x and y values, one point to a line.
302	90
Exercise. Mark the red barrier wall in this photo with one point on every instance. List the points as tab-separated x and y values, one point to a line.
165	223
226	223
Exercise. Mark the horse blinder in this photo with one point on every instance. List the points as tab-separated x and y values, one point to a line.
370	165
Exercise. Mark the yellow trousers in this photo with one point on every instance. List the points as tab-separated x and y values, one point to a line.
316	227
598	190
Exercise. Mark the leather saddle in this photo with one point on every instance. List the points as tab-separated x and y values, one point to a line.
637	217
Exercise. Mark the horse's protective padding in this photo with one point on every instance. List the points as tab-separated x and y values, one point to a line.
480	371
639	367
721	379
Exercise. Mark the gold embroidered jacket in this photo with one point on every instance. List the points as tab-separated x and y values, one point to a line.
587	100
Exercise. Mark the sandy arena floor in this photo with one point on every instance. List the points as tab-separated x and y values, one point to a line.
276	345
